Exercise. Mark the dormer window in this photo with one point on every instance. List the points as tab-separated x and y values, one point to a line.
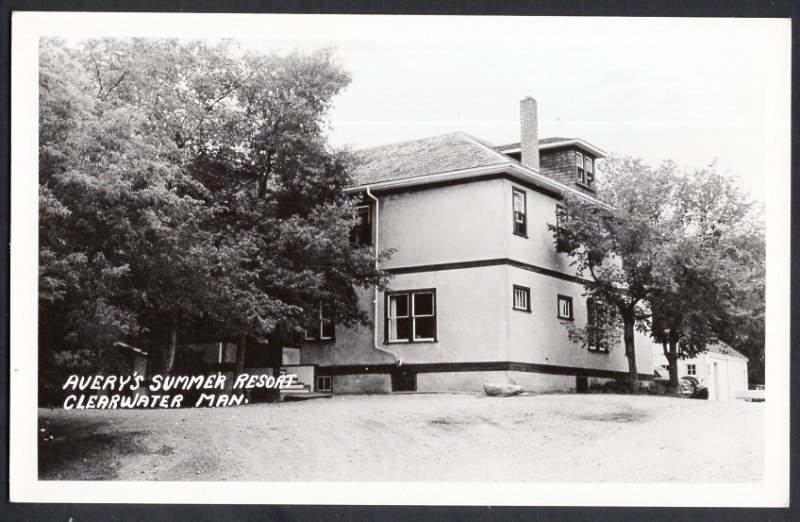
579	165
584	166
588	166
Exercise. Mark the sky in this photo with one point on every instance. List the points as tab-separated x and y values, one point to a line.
693	90
690	90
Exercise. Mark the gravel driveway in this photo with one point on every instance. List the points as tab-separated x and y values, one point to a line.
415	437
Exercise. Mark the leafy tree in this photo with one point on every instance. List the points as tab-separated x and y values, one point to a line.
612	244
672	254
188	188
709	262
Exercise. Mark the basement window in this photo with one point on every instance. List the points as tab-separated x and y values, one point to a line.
324	383
410	316
322	326
564	307
520	214
522	298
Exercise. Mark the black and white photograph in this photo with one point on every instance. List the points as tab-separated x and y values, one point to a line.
317	258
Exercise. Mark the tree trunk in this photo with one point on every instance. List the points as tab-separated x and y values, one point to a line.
630	352
264	176
672	359
241	352
169	356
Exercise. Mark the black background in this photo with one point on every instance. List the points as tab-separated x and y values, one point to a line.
645	8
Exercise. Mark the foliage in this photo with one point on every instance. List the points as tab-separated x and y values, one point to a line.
187	191
676	254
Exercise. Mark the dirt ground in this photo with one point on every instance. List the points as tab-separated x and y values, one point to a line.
415	437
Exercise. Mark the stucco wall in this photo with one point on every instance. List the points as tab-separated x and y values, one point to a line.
352	345
540	337
470	323
539	247
446	224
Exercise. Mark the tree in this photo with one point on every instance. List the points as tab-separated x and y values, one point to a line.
665	254
705	266
186	187
612	244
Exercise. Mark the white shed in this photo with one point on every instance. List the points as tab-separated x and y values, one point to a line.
721	368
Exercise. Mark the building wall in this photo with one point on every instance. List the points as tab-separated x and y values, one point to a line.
540	337
445	225
730	377
725	376
474	315
539	247
560	164
474	381
470	323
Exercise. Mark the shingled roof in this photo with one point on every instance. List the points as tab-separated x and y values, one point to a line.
724	349
543	141
410	159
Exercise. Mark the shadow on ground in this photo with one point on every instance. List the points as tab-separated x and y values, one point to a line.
74	450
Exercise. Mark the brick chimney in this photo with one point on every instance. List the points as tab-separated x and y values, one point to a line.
529	136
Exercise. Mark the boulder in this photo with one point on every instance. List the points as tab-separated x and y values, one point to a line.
502	390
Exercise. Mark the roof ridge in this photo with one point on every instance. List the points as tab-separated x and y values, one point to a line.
395	143
485	145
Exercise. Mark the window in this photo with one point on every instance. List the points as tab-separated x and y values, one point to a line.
520	217
404	381
324	383
579	165
361	234
588	166
561	216
594	334
522	298
322	326
691	369
411	316
564	307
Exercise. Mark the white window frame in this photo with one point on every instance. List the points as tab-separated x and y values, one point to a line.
320	327
390	323
570	308
581	172
588	167
525	292
691	369
522	219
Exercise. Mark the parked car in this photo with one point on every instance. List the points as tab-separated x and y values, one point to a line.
692	388
759	387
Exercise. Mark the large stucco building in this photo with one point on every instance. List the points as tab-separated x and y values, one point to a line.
479	293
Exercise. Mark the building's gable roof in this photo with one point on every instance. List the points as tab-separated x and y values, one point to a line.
724	349
410	159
